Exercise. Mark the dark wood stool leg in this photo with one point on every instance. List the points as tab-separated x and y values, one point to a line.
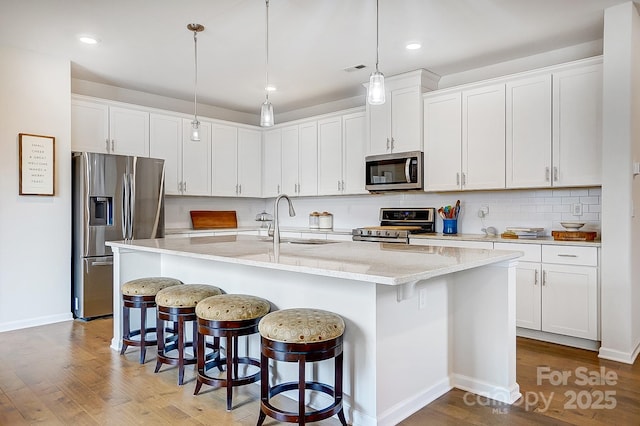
338	387
264	386
181	340
143	332
160	338
201	361
301	390
126	331
230	369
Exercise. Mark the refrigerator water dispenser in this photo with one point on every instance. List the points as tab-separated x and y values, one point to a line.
100	211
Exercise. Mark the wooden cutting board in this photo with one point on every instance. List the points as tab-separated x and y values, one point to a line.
211	219
574	235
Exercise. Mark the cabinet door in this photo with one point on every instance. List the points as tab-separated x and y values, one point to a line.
483	138
379	128
290	160
165	141
529	133
330	156
129	131
224	160
442	142
308	159
249	163
353	152
528	295
406	120
89	126
570	300
196	160
271	180
577	126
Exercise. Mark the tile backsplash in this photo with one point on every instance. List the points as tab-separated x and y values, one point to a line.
537	208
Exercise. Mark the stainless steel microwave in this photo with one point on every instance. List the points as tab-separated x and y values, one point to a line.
397	171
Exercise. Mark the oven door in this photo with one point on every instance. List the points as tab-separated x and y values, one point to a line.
389	172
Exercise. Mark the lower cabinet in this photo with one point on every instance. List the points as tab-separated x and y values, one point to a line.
557	289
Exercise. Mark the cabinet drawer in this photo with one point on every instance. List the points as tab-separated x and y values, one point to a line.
532	252
452	243
570	255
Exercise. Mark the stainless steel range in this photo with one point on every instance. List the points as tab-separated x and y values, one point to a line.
397	224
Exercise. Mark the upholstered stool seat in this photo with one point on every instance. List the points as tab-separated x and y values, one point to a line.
141	294
178	305
228	316
301	335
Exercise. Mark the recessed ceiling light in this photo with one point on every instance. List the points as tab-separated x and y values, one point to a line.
88	39
413	46
270	88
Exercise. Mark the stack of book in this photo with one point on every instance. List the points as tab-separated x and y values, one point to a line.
525	232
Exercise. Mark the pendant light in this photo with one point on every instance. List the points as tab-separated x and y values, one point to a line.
195	124
266	111
375	92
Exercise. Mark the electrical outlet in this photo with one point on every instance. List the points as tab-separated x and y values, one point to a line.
576	209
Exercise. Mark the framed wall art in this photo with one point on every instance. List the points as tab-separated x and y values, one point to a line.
37	164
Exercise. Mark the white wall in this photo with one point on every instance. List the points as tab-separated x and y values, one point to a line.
35	232
540	208
620	290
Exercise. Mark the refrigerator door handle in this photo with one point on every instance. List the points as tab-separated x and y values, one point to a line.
102	262
125	206
132	203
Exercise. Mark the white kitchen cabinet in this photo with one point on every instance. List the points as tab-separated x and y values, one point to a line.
353	153
272	164
528	137
396	125
330	177
577	126
443	142
483	137
196	160
464	135
224	160
105	128
236	161
165	141
249	163
300	159
557	289
487	245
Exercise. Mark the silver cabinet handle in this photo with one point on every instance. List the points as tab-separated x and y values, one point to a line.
535	280
388	144
546	174
338	185
393	142
544	277
113	145
236	189
555	174
278	188
464	179
240	189
185	186
458	178
343	185
106	144
567	255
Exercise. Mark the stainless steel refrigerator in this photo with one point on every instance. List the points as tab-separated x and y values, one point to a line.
115	197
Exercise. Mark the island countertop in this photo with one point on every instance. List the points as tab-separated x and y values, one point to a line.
381	263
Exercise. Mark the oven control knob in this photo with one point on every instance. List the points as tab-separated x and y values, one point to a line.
396	234
387	233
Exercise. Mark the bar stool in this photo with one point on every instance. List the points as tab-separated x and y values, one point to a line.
301	335
228	316
178	305
141	294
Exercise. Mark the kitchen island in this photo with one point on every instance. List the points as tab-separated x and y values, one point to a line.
419	320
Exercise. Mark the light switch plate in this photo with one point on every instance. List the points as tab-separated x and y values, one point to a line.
576	209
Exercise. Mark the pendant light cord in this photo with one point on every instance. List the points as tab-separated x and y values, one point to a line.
195	85
266	38
377	34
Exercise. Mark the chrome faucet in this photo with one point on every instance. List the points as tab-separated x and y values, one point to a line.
276	222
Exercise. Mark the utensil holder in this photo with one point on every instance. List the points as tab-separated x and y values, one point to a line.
449	226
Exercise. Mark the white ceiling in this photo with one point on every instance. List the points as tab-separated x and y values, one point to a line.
146	46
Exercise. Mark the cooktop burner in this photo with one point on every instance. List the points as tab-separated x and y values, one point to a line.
397	224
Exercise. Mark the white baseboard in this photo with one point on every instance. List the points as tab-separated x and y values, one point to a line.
497	393
619	356
34	322
398	412
576	342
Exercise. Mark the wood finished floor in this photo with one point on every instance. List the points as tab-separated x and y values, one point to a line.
66	374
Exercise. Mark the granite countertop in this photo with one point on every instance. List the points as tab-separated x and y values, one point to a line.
498	239
382	263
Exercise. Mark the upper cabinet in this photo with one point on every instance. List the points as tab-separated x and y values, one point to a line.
540	130
465	139
577	126
272	163
249	162
396	125
108	128
300	159
236	161
196	160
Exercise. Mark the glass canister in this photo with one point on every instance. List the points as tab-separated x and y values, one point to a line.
325	220
314	220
